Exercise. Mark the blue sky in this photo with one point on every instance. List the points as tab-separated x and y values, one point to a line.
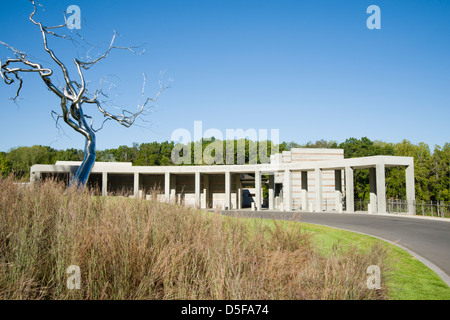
311	69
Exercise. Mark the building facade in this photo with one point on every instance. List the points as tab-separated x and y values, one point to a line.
302	179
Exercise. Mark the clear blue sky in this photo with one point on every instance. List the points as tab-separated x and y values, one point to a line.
310	68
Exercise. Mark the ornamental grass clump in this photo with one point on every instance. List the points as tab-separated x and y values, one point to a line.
129	248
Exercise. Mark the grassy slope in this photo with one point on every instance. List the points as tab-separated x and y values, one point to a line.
409	279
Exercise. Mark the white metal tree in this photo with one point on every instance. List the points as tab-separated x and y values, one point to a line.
73	93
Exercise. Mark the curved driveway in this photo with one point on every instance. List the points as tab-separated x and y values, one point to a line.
427	239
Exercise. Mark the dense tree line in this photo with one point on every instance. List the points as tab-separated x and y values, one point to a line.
432	167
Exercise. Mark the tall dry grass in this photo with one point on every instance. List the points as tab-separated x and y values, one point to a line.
143	249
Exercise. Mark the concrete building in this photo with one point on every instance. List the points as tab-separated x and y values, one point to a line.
305	179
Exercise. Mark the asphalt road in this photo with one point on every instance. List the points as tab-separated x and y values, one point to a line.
427	239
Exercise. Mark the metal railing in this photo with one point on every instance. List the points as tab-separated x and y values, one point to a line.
400	206
361	205
433	208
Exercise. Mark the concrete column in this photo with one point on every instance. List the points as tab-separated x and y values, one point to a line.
338	199
338	189
287	190
238	191
173	188
304	198
373	205
35	177
71	175
349	198
227	190
271	192
304	190
206	190
197	190
318	189
258	198
167	186
104	183
410	189
136	185
261	194
381	188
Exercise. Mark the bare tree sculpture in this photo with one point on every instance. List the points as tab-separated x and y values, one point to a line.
72	94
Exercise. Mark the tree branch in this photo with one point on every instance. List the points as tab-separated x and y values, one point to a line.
73	94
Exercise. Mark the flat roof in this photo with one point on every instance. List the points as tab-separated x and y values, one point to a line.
127	167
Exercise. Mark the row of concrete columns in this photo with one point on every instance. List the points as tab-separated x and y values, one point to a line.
170	188
376	176
377	189
287	190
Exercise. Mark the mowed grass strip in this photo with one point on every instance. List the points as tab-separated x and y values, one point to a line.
406	279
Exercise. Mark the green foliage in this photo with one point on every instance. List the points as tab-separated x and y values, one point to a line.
214	151
154	154
286	146
5	165
20	160
322	144
364	147
440	172
70	155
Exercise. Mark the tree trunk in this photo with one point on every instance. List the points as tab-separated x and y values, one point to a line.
82	175
83	172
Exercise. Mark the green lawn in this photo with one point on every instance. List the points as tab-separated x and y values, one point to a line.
408	278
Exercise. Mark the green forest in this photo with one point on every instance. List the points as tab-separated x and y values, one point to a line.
432	166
